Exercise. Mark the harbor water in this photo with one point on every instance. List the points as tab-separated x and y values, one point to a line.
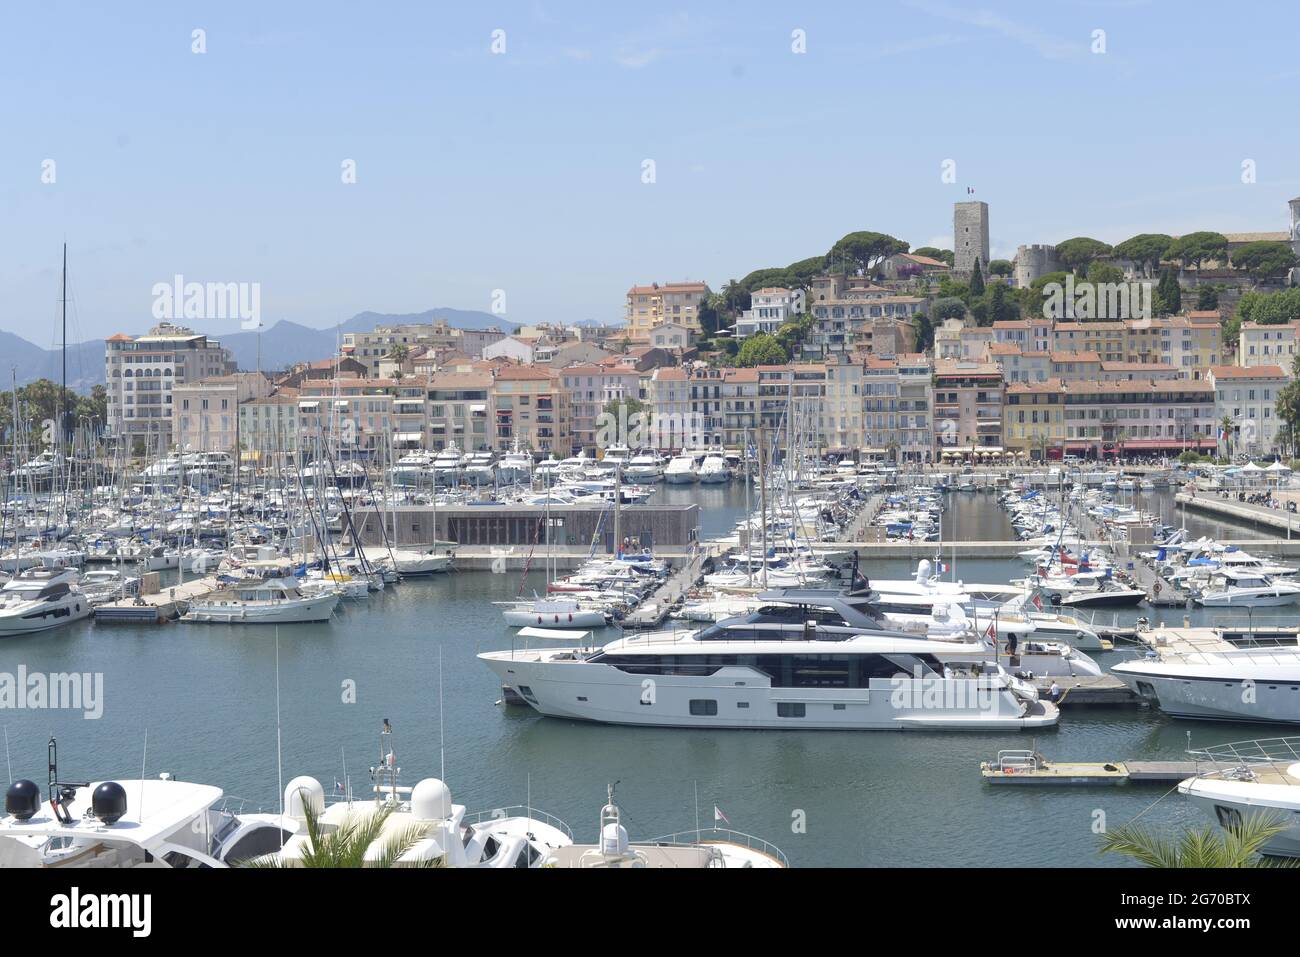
200	702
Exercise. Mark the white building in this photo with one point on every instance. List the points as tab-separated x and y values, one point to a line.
1248	396
769	309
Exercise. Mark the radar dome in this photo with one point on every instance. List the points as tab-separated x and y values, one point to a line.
613	840
302	792
23	800
109	802
431	800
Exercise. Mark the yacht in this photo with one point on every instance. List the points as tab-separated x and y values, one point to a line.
681	470
644	467
39	599
446	464
1243	589
413	468
712	848
558	613
480	468
1247	778
515	466
714	471
422	559
256	602
862	682
1229	684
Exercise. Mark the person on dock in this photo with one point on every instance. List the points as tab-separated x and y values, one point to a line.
1054	692
1012	644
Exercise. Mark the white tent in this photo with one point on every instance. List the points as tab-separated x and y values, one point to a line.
1278	467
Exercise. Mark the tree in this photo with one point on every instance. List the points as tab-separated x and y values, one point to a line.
976	280
1168	299
761	350
1104	272
1264	260
1000	267
949	307
708	315
1146	250
1207	298
933	252
1078	252
864	249
1001	308
1195	248
924	331
349	845
1269	309
634	405
1236	845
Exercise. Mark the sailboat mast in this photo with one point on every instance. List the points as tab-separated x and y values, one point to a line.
63	392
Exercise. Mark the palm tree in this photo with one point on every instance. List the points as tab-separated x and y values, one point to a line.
1237	845
348	844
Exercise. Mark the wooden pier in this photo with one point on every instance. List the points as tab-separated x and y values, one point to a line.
1089	691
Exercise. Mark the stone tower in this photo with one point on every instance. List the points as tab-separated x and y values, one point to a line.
970	236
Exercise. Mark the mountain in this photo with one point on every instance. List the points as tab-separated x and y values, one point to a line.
283	344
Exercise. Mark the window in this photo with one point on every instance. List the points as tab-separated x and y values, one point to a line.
790	709
703	706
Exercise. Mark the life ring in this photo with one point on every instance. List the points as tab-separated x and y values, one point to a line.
1156	589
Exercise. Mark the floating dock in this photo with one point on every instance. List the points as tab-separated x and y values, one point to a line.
1085	691
164	605
1026	768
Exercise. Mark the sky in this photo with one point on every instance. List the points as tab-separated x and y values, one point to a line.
510	168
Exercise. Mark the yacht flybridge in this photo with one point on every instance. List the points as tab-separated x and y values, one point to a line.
39	599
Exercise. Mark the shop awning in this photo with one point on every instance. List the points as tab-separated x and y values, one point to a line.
408	436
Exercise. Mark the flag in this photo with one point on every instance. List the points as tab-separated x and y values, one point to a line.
992	632
943	567
338	786
1038	602
719	816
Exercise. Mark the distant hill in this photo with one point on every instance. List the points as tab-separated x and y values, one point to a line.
283	344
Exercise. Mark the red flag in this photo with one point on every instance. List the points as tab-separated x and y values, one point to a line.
992	631
1038	602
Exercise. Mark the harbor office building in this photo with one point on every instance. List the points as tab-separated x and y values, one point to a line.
525	526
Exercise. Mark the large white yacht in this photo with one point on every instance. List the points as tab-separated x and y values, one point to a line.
1230	588
644	467
681	470
39	599
714	471
1254	684
1248	778
863	682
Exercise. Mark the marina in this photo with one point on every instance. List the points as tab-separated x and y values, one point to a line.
377	654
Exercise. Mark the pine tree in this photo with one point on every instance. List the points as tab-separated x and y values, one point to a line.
1169	296
977	280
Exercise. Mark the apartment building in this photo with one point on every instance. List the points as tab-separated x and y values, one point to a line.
1033	419
206	412
371	348
458	409
269	424
1139	417
592	386
1030	335
955	339
1260	345
141	373
967	407
1248	397
874	323
1018	365
354	415
678	302
532	407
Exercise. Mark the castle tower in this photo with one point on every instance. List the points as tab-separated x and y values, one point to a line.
970	236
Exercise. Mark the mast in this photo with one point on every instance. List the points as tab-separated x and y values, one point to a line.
63	392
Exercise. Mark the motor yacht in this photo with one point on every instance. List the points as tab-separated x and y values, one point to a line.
1247	778
422	559
1229	588
1223	684
41	598
714	471
681	470
271	601
644	467
715	680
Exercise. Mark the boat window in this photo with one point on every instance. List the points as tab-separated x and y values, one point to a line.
263	840
703	706
791	709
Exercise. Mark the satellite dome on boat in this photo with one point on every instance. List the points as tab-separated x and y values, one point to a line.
23	800
109	802
299	792
431	800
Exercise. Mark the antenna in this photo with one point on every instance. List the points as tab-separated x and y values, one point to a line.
279	763
442	741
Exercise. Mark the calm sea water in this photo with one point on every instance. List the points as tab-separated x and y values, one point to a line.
204	698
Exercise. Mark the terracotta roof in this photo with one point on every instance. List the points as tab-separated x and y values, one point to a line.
1247	372
523	373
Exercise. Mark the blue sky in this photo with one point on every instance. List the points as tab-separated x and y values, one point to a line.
523	171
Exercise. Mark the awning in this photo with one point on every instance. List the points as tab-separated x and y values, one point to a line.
478	408
308	406
408	436
341	403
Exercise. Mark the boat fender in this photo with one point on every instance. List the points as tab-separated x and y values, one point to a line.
570	616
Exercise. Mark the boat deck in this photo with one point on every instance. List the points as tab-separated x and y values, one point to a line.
161	606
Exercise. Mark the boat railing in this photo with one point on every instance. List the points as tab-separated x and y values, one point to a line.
1017	760
1240	758
706	835
518	810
